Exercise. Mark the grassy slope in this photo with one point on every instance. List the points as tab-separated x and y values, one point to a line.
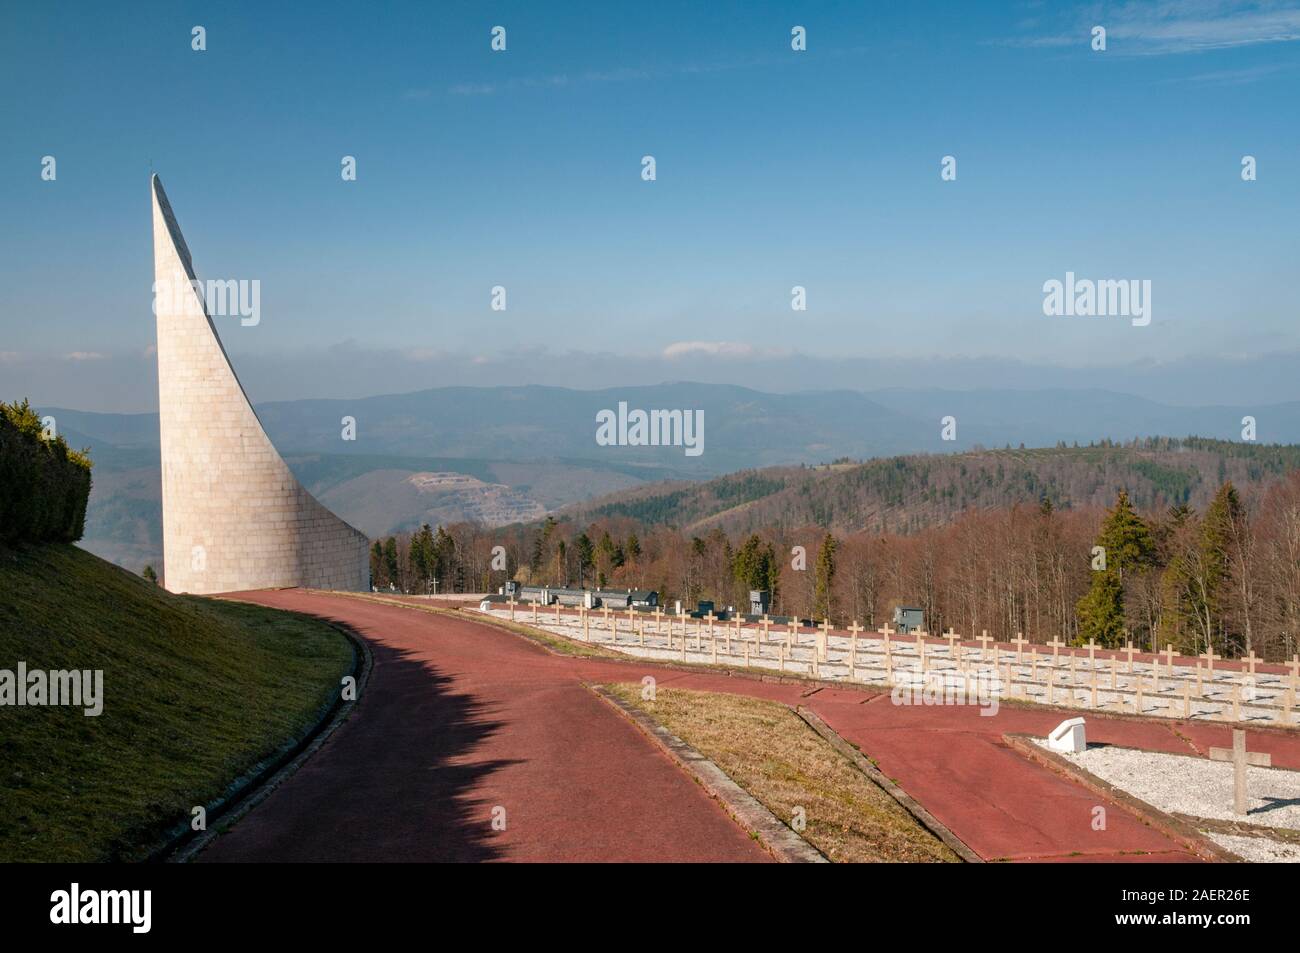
196	693
769	751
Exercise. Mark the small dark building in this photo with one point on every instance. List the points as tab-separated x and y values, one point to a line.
909	618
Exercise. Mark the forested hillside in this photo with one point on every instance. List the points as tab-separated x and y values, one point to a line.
909	493
1202	541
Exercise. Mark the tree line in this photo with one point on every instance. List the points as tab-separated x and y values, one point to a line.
1226	577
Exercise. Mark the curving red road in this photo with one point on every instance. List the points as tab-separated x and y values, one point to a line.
461	718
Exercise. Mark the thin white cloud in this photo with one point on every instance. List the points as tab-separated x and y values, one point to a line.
734	350
472	89
1174	26
85	356
1236	77
620	75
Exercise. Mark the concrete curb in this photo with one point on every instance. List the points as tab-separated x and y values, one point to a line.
1240	828
258	784
778	839
1169	825
905	800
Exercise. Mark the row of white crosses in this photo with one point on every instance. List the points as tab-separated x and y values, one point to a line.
754	642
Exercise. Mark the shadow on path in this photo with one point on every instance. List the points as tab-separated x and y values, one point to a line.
410	803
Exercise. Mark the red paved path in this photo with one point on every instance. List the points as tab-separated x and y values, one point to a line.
583	784
458	719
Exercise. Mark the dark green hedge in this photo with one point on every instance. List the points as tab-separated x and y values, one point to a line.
44	485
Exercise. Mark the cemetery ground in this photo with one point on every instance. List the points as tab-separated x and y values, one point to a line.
1199	792
195	694
1193	793
470	717
774	755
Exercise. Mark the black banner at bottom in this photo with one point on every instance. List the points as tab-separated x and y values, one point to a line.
211	902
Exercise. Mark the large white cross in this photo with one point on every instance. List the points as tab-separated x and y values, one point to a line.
1240	757
823	639
854	630
952	638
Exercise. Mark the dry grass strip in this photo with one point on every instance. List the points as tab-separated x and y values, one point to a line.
767	749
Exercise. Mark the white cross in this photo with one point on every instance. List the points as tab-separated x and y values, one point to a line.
823	638
1211	658
1240	757
1020	642
886	632
854	630
984	641
1056	644
952	638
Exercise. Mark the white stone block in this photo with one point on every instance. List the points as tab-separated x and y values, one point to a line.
1069	737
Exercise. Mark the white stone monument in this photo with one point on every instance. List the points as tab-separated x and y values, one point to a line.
234	515
1069	737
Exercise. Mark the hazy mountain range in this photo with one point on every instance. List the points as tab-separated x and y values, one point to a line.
506	454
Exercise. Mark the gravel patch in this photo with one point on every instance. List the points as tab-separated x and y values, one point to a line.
1177	784
1258	850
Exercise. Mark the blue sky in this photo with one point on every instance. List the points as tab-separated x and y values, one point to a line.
522	169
